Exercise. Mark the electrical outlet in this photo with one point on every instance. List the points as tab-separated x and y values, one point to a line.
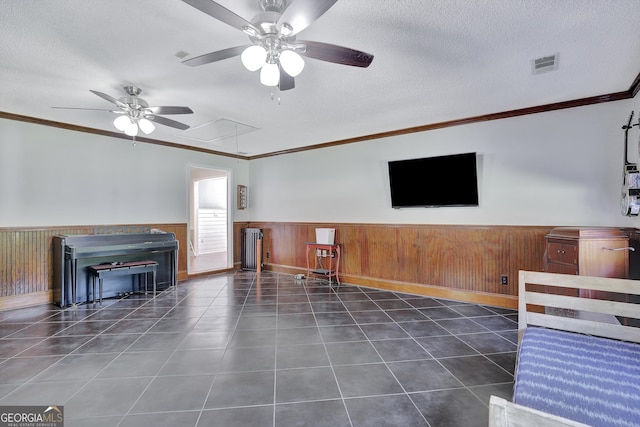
504	279
268	254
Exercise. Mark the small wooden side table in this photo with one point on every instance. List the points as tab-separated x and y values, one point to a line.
321	252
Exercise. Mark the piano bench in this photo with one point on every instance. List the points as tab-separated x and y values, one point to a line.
123	269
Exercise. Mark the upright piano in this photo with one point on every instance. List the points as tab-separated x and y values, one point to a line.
72	255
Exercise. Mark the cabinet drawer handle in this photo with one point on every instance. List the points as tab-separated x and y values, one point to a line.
628	248
562	252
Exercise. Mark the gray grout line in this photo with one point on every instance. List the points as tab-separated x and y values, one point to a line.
275	357
124	351
324	345
437	359
226	347
277	283
387	365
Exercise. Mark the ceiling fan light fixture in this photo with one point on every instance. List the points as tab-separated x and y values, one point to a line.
146	126
291	62
270	74
122	122
131	130
254	57
275	30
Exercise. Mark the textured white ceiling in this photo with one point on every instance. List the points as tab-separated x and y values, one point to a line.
434	61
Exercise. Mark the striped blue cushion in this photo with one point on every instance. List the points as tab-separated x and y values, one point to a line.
593	380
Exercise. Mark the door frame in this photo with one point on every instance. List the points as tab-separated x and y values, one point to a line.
208	171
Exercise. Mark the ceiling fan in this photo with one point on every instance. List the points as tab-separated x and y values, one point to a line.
134	112
274	49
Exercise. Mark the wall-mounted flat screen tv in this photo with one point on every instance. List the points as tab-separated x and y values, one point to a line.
450	180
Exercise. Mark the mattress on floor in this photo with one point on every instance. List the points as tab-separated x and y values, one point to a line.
592	380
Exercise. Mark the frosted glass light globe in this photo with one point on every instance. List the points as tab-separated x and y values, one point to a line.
270	75
146	126
122	122
254	57
291	62
132	129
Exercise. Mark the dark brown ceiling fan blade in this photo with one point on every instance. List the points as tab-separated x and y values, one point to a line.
170	110
80	108
167	122
302	13
336	54
218	55
110	99
222	14
286	82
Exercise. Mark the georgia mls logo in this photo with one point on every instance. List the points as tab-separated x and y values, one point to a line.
31	416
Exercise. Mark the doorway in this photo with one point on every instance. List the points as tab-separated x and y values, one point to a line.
209	220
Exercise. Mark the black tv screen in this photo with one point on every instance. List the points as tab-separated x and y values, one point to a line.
434	181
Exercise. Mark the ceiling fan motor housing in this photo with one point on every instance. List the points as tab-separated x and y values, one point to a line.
132	90
132	100
272	5
266	22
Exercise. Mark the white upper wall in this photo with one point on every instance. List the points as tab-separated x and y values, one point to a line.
55	177
558	168
562	167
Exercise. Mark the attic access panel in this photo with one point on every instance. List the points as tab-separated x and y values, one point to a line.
217	130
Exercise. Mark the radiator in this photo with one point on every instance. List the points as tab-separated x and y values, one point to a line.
251	237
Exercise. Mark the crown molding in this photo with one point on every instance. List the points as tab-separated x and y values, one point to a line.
617	96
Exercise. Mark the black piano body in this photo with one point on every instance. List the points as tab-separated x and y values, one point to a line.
73	254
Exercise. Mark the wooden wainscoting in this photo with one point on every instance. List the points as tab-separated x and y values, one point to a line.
26	272
449	261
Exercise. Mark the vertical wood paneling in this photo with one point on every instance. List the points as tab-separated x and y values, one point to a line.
180	230
527	251
465	258
381	255
351	256
26	257
6	262
237	227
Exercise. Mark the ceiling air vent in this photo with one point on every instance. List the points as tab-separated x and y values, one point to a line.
544	64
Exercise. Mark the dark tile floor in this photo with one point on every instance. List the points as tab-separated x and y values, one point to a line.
246	350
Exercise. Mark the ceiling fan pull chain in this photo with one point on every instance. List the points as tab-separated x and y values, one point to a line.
273	98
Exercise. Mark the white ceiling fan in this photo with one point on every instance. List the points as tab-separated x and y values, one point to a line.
135	114
274	49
